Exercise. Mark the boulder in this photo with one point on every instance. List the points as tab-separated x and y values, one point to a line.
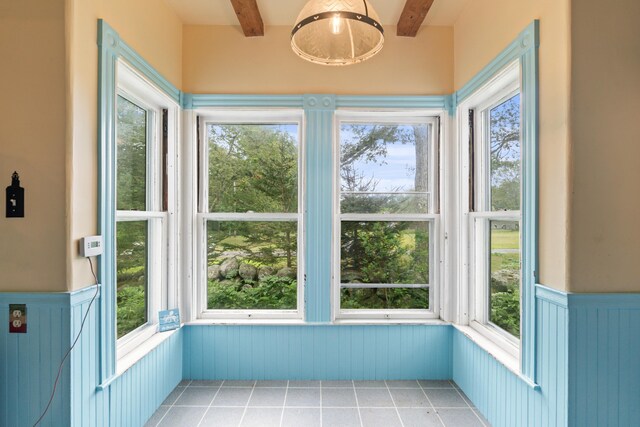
265	271
213	272
229	268
247	271
286	272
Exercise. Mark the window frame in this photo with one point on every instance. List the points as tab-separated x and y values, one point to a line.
161	238
202	214
474	241
381	116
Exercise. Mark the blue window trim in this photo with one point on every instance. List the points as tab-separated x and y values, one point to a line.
524	49
111	48
319	114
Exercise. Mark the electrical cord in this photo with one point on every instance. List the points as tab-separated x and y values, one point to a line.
55	384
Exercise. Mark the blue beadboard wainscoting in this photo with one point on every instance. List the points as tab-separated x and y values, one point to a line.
505	398
587	370
604	360
318	352
29	364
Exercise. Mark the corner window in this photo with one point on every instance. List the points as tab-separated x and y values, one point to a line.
250	215
495	209
142	208
386	216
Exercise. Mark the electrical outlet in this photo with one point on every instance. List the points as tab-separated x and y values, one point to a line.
17	318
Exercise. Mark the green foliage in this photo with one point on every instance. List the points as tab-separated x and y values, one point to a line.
270	293
384	298
131	308
131	156
505	310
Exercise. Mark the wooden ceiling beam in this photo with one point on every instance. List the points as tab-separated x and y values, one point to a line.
413	15
249	17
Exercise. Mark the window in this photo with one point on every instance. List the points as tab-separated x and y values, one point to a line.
386	215
143	205
494	209
250	214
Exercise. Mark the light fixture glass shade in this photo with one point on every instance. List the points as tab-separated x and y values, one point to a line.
337	32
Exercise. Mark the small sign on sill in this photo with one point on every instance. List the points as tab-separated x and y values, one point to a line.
168	320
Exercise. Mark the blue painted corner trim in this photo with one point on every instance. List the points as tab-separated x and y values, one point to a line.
553	296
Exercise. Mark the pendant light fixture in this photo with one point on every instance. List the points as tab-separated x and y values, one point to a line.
337	32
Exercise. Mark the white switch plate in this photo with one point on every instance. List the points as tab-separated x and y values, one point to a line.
91	246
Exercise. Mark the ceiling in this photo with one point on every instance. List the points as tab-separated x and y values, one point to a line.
285	12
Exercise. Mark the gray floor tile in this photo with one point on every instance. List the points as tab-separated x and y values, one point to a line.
205	383
222	417
374	398
370	384
379	417
157	416
238	383
261	417
183	416
459	418
419	417
482	418
445	398
304	384
403	384
409	398
196	396
173	396
338	397
466	399
184	383
267	397
340	417
232	397
342	384
271	383
305	397
435	383
301	417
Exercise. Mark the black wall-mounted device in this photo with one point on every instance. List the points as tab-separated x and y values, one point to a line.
15	198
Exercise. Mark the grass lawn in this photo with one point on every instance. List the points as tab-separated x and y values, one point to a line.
505	239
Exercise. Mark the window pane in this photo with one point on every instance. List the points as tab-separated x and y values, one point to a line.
132	276
253	168
384	298
505	155
131	173
504	295
384	168
384	252
252	265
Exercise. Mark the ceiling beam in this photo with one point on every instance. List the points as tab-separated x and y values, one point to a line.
249	17
413	16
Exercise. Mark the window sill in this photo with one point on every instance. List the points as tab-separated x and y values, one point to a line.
298	322
130	359
498	353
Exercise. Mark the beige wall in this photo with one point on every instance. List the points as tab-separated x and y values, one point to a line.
155	32
157	37
605	130
32	141
220	59
482	31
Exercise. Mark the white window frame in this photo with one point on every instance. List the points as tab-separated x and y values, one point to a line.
161	252
435	119
475	251
243	116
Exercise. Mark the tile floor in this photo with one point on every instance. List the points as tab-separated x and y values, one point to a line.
423	403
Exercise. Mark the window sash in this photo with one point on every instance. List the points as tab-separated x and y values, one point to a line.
433	218
254	117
